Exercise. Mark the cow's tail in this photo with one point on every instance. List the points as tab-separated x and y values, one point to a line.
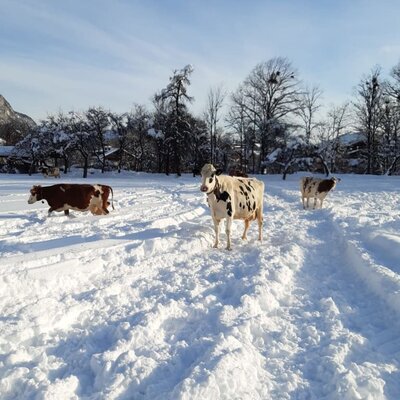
112	198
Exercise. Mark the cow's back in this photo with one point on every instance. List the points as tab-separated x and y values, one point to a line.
76	196
248	196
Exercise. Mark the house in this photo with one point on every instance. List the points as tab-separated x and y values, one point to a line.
353	149
5	152
10	162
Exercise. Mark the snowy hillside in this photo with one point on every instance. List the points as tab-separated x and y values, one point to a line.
138	305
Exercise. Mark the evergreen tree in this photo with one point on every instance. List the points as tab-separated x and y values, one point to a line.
177	129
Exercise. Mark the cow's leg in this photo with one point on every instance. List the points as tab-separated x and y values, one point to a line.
302	199
105	205
260	224
50	211
228	232
216	229
308	202
246	228
315	202
66	212
96	210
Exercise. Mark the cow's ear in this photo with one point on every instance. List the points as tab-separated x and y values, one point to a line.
218	171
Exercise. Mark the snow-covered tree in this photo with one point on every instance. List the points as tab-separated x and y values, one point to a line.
177	128
35	147
98	123
82	136
198	148
63	141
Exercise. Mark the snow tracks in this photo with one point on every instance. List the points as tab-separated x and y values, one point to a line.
138	305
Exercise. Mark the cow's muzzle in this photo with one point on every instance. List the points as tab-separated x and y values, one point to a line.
204	188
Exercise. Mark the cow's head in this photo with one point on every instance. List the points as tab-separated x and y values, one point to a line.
36	194
208	181
335	181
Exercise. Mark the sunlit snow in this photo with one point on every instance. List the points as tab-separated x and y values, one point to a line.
138	305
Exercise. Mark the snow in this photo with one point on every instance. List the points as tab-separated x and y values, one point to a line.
5	151
274	155
138	305
350	138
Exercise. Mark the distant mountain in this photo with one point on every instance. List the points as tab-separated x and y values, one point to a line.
7	114
13	125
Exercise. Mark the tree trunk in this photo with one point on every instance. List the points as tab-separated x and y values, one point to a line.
325	165
393	166
66	165
85	167
287	165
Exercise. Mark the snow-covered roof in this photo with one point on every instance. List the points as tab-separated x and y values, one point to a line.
274	155
155	134
112	150
5	151
350	138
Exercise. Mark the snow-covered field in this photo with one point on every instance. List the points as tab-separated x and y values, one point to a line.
138	305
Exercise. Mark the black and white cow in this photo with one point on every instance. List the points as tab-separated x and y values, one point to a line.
316	188
232	198
51	171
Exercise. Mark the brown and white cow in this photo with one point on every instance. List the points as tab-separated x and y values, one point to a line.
316	188
232	198
51	171
79	197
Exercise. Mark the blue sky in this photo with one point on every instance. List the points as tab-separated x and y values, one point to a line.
72	54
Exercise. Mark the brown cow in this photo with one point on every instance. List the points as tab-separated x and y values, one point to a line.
79	197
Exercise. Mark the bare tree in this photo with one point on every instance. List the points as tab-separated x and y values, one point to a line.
119	125
82	138
139	125
160	117
393	86
270	93
308	108
369	113
328	135
215	100
98	122
391	121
